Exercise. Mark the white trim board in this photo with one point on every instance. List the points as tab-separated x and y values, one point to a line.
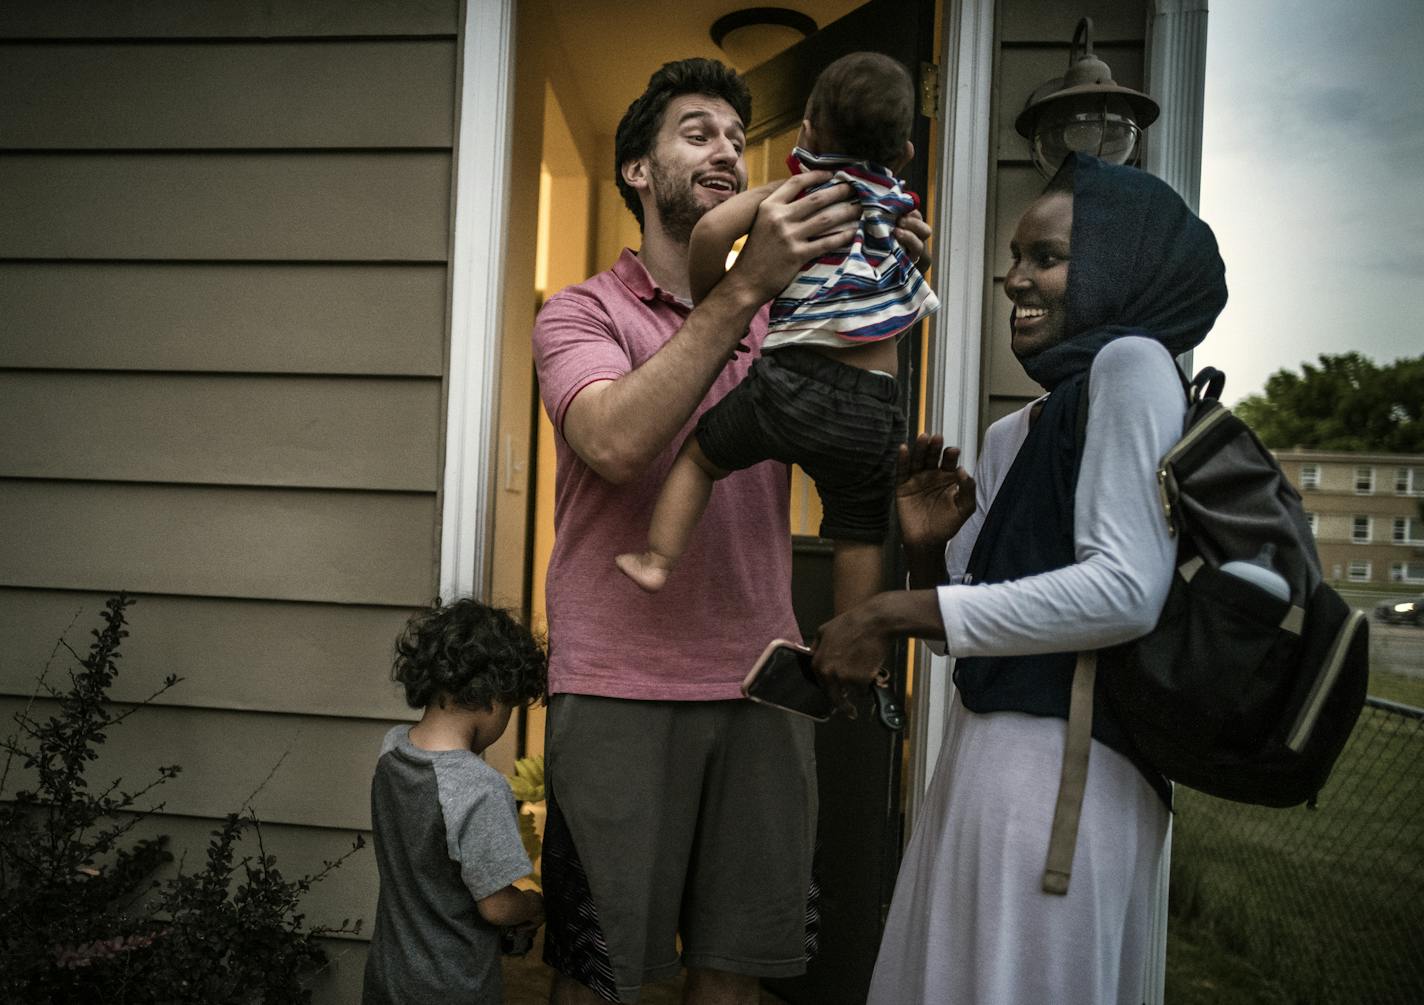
958	255
478	249
1176	76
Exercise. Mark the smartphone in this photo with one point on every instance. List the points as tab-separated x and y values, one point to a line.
784	679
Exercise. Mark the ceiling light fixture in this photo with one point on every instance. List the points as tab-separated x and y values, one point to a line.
751	36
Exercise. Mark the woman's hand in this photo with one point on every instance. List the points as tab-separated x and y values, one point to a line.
851	648
849	652
934	496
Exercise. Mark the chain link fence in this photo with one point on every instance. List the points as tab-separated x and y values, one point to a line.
1327	904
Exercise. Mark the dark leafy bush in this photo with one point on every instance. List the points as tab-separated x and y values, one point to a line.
83	917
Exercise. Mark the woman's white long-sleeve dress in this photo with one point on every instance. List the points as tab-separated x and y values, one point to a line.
969	922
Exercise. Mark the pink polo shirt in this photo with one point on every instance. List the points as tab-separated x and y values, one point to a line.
731	592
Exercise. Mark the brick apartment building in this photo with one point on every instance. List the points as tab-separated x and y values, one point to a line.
1367	512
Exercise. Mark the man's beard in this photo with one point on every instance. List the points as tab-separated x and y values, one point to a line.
678	208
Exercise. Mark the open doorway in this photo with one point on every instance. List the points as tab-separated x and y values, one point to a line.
568	221
577	68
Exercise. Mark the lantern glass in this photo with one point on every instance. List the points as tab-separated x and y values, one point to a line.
1097	124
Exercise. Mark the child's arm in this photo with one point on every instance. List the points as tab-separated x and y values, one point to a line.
512	906
713	237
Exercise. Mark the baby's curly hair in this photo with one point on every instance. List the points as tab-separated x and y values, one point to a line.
474	653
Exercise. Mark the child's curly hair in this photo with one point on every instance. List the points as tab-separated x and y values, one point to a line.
474	653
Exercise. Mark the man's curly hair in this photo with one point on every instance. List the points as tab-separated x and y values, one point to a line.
473	653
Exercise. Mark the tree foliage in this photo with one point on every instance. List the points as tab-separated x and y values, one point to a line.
1346	402
82	916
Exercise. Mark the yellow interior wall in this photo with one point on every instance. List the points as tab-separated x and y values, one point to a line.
616	227
564	237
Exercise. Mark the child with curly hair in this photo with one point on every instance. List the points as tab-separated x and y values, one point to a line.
444	822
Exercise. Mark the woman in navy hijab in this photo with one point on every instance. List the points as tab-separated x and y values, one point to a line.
1057	545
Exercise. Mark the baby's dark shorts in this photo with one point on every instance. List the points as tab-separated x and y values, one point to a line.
840	423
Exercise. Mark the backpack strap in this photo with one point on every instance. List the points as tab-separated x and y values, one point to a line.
1073	779
1063	838
1208	383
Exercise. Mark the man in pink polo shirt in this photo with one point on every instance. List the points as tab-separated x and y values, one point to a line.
676	808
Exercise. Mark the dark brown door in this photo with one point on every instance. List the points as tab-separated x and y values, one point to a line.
858	761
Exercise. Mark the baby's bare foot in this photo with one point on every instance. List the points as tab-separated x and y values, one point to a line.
643	568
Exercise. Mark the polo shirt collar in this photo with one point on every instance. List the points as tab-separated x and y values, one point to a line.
633	274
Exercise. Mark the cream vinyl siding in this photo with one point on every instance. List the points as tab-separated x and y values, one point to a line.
232	654
216	429
314	317
1031	46
224	233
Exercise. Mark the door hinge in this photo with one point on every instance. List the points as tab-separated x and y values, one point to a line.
929	90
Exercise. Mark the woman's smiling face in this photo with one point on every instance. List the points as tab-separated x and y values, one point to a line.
1037	282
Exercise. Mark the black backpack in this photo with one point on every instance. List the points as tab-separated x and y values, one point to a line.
1235	692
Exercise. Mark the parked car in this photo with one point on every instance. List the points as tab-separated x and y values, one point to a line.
1401	612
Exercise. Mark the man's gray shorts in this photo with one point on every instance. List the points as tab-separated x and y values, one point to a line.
676	818
840	423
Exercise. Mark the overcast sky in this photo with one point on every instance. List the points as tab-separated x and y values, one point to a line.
1313	179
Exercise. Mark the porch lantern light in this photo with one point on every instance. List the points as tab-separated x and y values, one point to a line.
1084	110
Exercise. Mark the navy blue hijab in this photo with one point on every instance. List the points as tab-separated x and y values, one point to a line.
1140	263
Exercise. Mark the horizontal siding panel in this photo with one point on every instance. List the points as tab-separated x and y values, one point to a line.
1006	374
324	780
339	207
347	892
1001	406
297	318
336	432
1021	71
1054	20
274	544
242	94
1017	186
224	18
315	659
342	979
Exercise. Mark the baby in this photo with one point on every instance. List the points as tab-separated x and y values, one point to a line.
824	393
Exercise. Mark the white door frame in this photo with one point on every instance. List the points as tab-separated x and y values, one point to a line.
1176	77
483	149
958	258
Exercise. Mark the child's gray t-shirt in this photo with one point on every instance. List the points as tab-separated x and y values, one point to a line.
446	835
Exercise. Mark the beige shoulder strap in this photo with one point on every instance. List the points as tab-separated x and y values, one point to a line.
1074	779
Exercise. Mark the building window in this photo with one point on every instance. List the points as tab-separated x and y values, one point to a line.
1407	530
1309	476
1313	519
1364	481
1360	531
1408	481
1359	571
1406	572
